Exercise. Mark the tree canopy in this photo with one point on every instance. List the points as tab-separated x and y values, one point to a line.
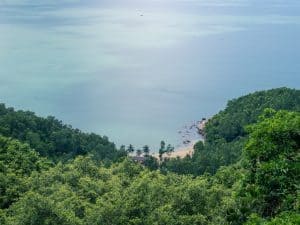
53	139
225	133
257	186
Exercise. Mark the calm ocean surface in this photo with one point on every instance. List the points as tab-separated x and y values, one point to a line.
137	71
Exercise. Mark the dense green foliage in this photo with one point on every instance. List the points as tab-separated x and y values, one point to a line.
230	123
51	138
126	193
273	154
225	132
262	188
17	161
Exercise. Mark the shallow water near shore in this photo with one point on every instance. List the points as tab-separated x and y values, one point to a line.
139	71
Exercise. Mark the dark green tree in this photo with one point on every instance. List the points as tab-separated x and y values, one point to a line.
169	149
139	152
130	149
162	150
146	150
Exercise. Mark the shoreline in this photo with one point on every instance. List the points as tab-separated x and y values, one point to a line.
181	152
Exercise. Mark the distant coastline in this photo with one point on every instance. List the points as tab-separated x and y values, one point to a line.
196	131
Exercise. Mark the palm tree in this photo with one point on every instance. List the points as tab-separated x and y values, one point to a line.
162	149
139	152
130	149
169	150
146	150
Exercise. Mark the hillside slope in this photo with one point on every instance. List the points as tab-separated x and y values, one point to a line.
51	138
225	133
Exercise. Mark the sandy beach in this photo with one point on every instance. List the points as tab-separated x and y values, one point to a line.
181	152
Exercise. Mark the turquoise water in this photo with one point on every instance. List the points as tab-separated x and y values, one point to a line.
138	71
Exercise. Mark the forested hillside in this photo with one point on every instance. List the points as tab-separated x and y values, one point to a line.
53	139
225	133
246	172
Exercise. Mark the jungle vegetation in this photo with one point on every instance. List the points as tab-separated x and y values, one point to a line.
245	172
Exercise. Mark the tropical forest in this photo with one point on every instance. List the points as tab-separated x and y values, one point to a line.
245	171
